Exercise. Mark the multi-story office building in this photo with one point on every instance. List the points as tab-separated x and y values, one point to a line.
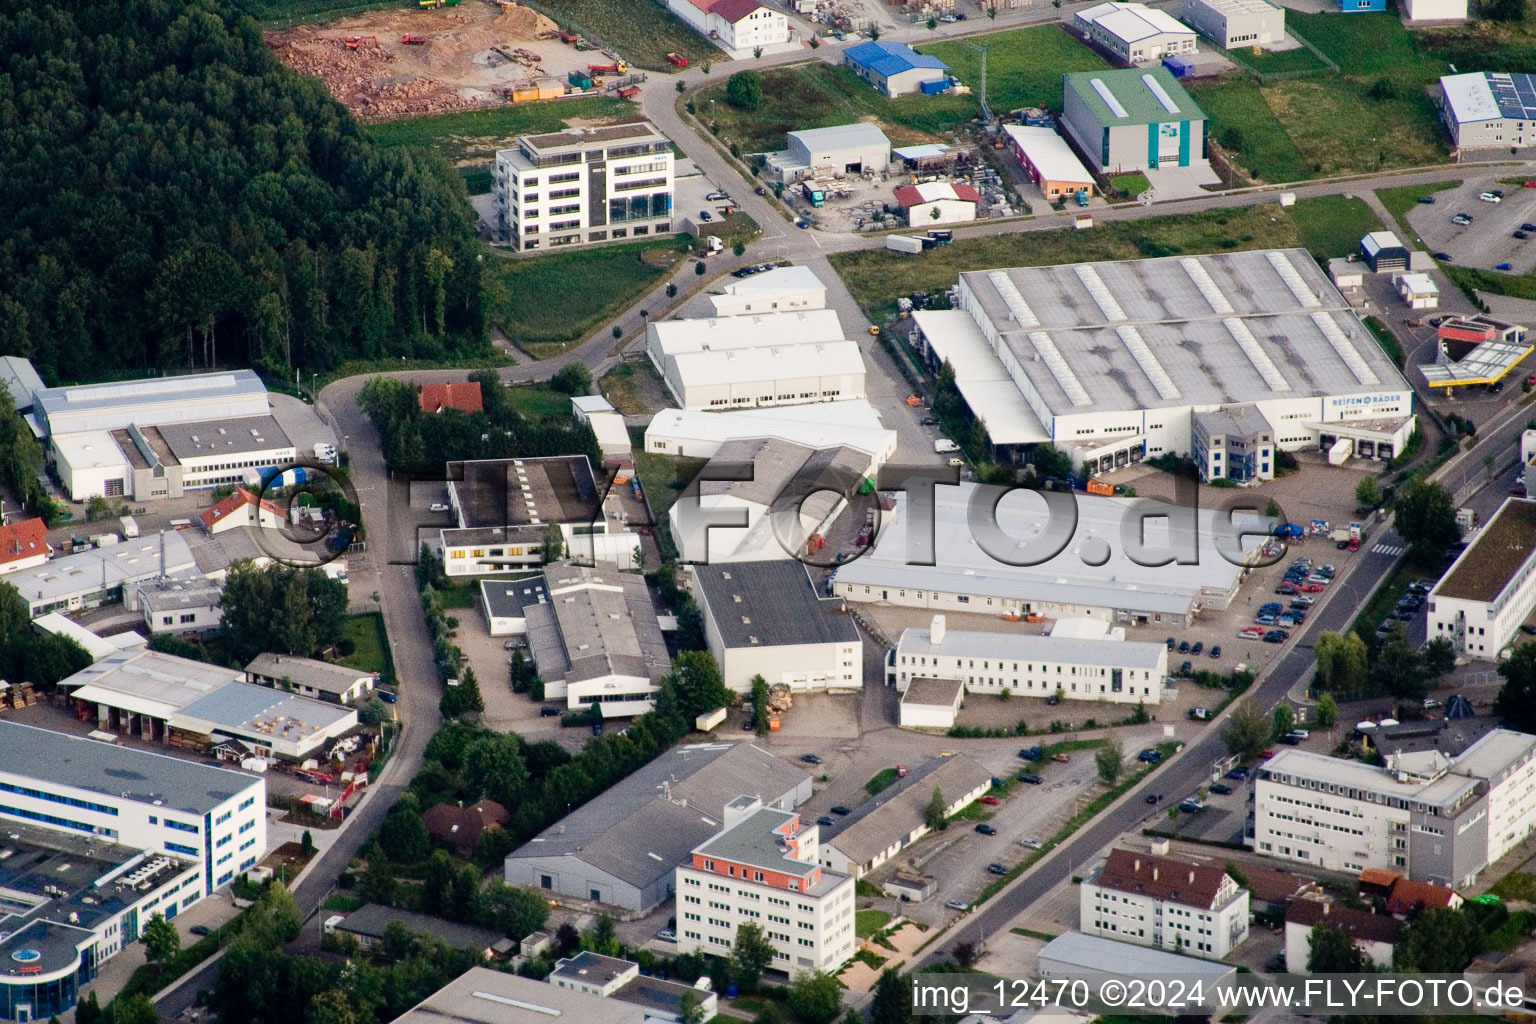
585	185
762	869
1180	905
1490	590
1422	815
96	840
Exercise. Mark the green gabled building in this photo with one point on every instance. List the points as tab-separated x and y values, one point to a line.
1133	120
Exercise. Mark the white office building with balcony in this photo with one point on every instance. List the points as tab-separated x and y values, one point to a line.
1172	903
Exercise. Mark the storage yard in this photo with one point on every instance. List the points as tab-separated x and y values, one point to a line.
459	58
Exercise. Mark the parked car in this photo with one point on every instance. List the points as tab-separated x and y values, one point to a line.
1171	643
667	935
1276	636
1062	757
1489	197
1311	588
549	712
840	809
1030	780
1220	787
997	869
706	215
760	190
1461	219
1427	200
927	421
1238	773
1443	257
1189	805
437	506
990	800
811	758
1520	235
717	197
1054	698
1430	704
1030	753
1187	669
386	696
1153	798
201	929
1289	619
1528	629
1184	647
1030	843
1288	589
1303	601
986	830
1264	619
1200	714
957	904
1496	387
826	819
1250	633
1216	650
1150	756
1197	647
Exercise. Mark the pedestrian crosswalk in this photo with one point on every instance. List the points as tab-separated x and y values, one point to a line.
1388	549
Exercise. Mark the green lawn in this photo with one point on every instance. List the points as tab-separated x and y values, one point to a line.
546	302
540	402
1024	66
883	779
1400	201
1520	286
877	277
818	96
1242	123
370	650
867	922
1344	126
1273	62
342	904
1367	44
1130	184
1332	226
663	477
477	134
633	388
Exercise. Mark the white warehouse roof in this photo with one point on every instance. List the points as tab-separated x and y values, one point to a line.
859	135
768	362
854	423
779	279
668	337
961	643
1132	21
1231	8
1049	153
151	402
981	377
1093	954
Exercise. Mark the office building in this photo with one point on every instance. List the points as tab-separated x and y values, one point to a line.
762	869
1423	815
1134	32
1123	589
1488	110
505	509
318	680
1049	161
1111	361
1092	667
1173	903
1231	24
584	185
624	848
146	462
885	824
780	290
482	995
895	69
1490	590
1133	120
1235	443
766	618
609	977
99	839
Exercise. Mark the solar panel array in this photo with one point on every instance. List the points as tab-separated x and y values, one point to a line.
1515	95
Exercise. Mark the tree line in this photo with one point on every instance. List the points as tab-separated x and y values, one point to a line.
30	655
186	202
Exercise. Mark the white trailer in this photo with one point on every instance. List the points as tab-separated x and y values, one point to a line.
709	719
903	243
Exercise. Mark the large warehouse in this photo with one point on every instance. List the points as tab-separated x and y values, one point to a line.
1049	161
1234	23
1111	361
895	69
858	148
700	435
739	362
154	401
625	848
1490	590
780	290
1126	587
1133	120
1134	32
1488	110
145	463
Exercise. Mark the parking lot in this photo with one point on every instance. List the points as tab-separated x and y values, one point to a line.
1488	240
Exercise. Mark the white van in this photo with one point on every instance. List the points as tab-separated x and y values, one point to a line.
943	446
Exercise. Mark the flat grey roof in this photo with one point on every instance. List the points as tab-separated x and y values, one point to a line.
1179	331
373	919
929	692
166	595
777	463
223	437
771	603
516	492
592	621
753	841
859	135
648	823
506	599
1093	953
117	772
249	708
149	391
485	996
962	643
1495	556
601	135
321	675
591	967
85	572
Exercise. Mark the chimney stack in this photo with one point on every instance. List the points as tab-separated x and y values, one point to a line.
936	631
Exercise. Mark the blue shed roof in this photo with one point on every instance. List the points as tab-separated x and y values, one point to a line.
887	59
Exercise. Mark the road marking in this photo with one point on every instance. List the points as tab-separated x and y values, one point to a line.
1388	549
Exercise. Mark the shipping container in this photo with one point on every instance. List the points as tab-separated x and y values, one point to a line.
901	243
935	87
709	719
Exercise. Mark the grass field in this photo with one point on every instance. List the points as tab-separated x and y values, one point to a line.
883	779
1024	66
546	302
877	277
1271	62
1340	128
1520	286
539	402
1242	123
642	31
634	388
819	95
658	475
366	631
867	922
1399	201
1332	226
478	134
1367	44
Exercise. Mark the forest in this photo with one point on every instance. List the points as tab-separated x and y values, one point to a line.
180	201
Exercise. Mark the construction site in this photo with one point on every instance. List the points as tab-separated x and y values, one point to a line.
395	63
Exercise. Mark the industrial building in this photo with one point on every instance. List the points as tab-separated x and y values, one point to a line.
154	401
505	509
94	644
1237	23
1122	589
1473	350
318	680
1049	161
780	290
1134	32
23	545
1110	361
755	361
483	995
1133	120
19	377
145	462
191	606
1488	109
1435	10
895	69
765	860
1481	602
91	577
592	634
1384	251
733	24
1417	290
766	618
1076	955
763	517
854	423
929	703
932	203
1096	665
583	406
162	698
584	185
625	849
885	824
100	839
1423	815
858	148
622	981
1174	903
